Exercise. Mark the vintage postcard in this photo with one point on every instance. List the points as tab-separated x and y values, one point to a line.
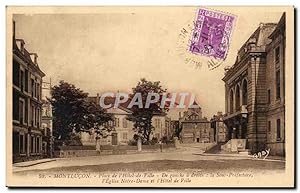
150	96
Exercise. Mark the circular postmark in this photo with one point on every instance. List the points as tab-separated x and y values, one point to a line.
195	61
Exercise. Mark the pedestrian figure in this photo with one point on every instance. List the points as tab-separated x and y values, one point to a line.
160	145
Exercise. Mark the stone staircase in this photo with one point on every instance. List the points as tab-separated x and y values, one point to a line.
215	149
196	148
237	146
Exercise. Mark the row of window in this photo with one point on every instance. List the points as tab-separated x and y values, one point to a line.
35	114
125	123
277	87
277	58
116	123
157	123
192	117
35	144
22	79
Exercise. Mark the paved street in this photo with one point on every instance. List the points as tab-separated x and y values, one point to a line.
179	160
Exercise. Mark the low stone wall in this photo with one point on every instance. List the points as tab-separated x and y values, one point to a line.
277	148
234	145
75	153
83	151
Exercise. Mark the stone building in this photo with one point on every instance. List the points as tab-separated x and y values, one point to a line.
254	90
275	88
47	120
219	128
27	103
174	126
168	130
195	128
122	128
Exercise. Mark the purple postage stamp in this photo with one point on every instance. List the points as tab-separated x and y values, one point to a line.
211	34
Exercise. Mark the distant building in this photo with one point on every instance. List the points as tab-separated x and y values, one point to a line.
219	128
123	128
27	103
254	90
174	125
47	120
195	129
167	132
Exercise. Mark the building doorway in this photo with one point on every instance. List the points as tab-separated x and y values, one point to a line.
244	130
114	138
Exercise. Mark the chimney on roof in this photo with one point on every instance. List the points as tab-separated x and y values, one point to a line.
261	24
227	68
34	57
21	44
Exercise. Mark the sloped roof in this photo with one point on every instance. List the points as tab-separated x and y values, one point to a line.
111	100
260	38
26	57
279	27
261	35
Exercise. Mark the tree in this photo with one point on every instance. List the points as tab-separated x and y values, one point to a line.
142	117
178	130
96	118
73	113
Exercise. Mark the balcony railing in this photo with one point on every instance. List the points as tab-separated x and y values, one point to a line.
242	111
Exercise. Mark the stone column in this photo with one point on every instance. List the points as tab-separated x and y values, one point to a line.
28	145
176	142
240	131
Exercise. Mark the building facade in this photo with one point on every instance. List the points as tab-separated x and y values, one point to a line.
168	130
122	128
221	133
254	90
27	103
275	86
47	146
195	128
47	120
174	127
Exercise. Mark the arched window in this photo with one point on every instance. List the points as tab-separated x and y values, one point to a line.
245	93
237	98
231	101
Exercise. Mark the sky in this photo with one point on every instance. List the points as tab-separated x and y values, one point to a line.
111	49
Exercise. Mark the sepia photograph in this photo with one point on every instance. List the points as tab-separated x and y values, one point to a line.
157	96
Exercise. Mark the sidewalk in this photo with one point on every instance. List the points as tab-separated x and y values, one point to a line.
269	158
273	157
33	162
181	154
